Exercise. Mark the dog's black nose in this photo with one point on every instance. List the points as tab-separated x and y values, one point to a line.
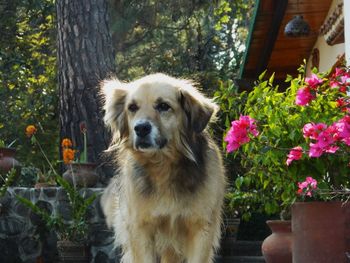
143	129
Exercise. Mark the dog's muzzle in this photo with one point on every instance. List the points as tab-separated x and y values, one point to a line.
143	129
147	136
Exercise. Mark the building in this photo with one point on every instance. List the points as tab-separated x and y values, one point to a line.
326	45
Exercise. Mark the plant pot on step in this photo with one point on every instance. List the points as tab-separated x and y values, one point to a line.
72	252
320	232
81	174
7	159
277	248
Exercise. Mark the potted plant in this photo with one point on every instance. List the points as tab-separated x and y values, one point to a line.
7	156
80	172
72	244
286	136
43	179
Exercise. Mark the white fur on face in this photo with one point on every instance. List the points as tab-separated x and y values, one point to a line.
148	143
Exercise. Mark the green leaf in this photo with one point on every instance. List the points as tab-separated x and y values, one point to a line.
272	78
262	75
239	181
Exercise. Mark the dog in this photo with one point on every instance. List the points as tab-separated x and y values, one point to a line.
165	202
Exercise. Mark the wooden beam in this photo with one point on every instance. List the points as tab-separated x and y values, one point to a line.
280	9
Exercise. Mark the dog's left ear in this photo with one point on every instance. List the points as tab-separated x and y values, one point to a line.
114	93
199	110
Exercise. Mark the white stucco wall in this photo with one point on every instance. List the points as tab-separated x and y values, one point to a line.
329	54
346	11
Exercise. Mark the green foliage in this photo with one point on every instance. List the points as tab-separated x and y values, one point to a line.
7	180
181	38
76	228
202	40
28	76
269	185
4	145
231	103
28	176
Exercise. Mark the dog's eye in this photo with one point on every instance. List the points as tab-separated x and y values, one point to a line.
133	107
163	107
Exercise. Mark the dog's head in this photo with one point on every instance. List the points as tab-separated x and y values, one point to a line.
156	113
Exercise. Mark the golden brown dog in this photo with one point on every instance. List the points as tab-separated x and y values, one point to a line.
165	202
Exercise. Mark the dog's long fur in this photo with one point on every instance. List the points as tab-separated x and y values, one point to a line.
165	201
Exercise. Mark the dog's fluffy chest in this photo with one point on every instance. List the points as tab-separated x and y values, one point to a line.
161	193
167	182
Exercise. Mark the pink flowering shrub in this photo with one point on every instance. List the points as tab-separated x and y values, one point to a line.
292	141
240	132
308	187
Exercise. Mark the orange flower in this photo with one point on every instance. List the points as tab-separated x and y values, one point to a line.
68	155
66	143
30	130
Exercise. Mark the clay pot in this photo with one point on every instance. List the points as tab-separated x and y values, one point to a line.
7	159
320	232
81	174
71	252
277	248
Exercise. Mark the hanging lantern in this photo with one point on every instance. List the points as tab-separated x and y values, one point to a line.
297	27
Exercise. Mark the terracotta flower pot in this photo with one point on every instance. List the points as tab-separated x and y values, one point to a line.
277	248
72	252
320	231
82	174
7	159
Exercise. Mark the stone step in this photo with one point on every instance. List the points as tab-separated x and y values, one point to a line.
240	248
240	259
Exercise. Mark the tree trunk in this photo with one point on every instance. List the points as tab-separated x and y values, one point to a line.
85	57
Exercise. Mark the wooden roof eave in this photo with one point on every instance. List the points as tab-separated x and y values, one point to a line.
249	39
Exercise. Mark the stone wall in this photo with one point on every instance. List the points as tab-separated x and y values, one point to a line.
24	239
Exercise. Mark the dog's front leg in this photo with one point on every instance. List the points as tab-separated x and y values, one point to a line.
201	249
142	248
203	241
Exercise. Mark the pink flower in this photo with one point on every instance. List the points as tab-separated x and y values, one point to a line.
315	150
314	81
342	104
334	84
332	149
318	128
304	96
346	141
302	185
343	89
295	154
338	72
311	130
249	123
325	139
344	79
232	146
311	182
342	128
307	186
308	130
239	132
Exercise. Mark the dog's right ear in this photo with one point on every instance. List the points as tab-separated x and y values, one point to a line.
114	93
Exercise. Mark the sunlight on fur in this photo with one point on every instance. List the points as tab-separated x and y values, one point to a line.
164	203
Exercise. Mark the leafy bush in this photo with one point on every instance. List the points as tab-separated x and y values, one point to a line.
269	183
